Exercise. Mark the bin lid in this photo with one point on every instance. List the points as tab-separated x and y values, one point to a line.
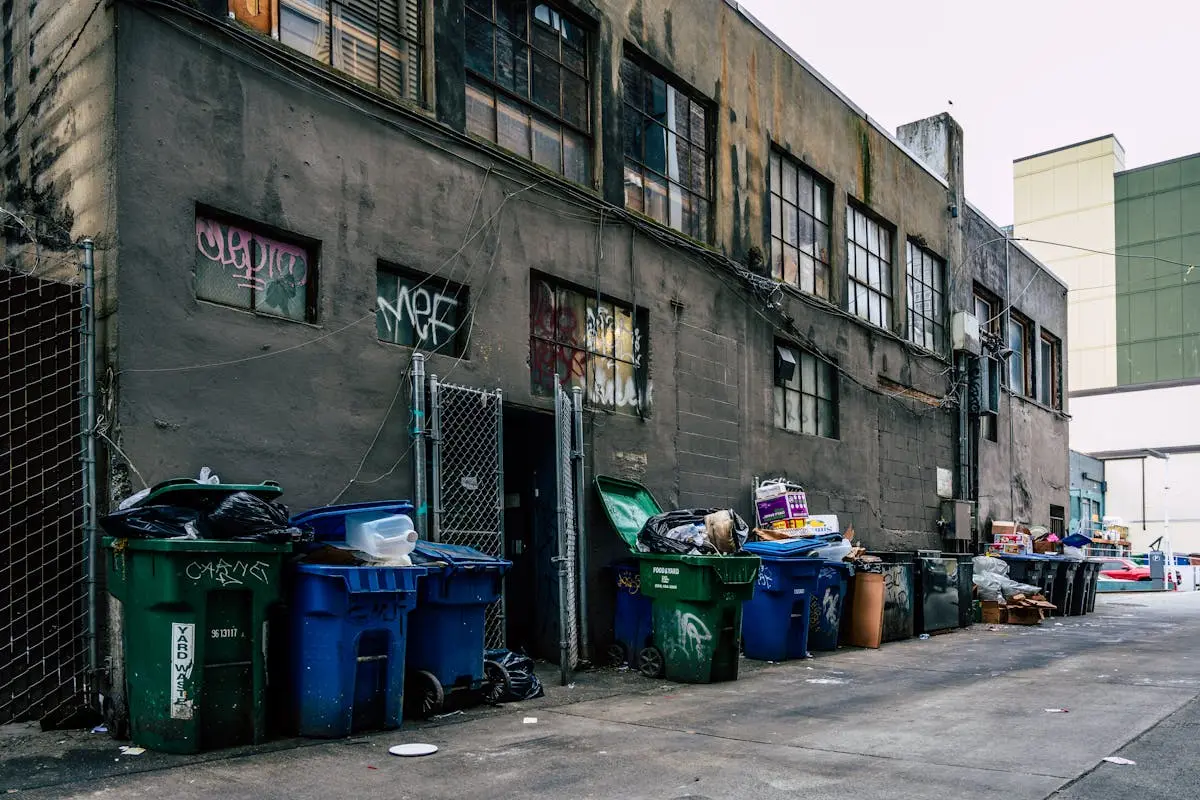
796	548
197	545
628	504
455	556
329	522
190	493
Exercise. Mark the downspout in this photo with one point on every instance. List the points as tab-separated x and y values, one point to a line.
87	429
1012	495
418	437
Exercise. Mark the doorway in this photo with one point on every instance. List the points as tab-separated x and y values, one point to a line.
531	532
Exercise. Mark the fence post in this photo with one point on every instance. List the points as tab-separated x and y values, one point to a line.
580	528
435	447
418	444
87	430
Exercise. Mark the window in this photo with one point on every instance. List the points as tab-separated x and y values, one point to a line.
242	267
1020	360
926	299
869	263
588	341
1058	521
420	311
806	398
799	226
1050	385
375	41
987	312
528	84
666	151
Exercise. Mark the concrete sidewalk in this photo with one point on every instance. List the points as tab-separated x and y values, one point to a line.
959	715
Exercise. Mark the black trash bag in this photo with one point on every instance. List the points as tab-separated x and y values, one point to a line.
242	517
154	522
683	532
523	682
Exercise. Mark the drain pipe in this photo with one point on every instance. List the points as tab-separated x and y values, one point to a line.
1012	495
580	525
88	411
418	437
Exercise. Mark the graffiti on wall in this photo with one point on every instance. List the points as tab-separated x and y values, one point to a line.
418	312
238	267
589	342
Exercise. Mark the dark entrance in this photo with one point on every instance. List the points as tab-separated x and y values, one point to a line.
531	532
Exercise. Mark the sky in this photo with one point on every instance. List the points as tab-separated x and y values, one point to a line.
1023	76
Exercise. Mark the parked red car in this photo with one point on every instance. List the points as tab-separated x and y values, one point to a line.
1122	569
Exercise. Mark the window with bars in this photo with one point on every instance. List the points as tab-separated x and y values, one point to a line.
1050	363
926	299
800	239
377	42
590	341
666	150
528	84
806	392
869	265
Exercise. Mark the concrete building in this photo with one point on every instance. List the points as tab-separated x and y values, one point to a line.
741	270
1123	240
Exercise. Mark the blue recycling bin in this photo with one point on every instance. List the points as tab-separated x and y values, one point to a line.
825	607
448	626
328	523
775	621
633	624
349	625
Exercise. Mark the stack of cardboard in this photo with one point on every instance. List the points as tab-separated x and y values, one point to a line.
1019	610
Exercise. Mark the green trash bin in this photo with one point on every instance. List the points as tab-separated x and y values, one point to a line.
194	638
696	601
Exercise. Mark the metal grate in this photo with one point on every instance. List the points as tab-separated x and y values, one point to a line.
567	531
468	477
43	596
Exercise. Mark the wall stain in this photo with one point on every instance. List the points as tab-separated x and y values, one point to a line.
864	144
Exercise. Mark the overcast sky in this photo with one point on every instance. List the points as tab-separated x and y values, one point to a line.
1024	75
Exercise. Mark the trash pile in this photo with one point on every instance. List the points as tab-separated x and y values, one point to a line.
1004	600
694	532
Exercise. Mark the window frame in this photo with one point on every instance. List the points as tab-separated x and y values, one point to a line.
543	345
937	272
779	204
312	252
1028	355
333	26
781	391
1052	395
991	323
854	211
462	295
533	113
647	70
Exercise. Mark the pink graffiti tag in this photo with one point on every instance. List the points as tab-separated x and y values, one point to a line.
252	258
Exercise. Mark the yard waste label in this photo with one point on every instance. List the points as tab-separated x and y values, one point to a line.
183	656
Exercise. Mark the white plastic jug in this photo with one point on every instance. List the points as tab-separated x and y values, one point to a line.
389	539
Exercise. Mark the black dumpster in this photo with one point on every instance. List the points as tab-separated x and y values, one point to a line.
936	600
966	585
1064	583
898	593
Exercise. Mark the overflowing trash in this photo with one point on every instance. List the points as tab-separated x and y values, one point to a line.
698	531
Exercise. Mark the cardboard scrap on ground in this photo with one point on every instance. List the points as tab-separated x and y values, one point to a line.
1019	610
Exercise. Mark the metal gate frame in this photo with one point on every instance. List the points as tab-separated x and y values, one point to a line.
466	435
572	555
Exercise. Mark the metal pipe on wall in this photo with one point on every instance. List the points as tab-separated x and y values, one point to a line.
418	445
580	527
88	430
1012	494
435	447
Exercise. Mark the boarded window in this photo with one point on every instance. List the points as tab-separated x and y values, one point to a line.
239	265
420	311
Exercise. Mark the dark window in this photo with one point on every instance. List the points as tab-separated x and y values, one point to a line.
799	226
528	86
239	265
666	150
926	299
988	311
1058	521
375	41
1050	386
988	427
1020	359
806	392
420	311
595	343
869	264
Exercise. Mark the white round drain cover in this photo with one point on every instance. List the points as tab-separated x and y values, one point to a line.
413	749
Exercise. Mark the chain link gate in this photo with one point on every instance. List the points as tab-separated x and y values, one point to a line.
467	478
43	503
568	426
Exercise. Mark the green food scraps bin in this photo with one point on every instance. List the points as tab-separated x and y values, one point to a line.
194	638
697	600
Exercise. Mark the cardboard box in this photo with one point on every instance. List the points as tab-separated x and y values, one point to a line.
810	526
790	505
1005	549
994	613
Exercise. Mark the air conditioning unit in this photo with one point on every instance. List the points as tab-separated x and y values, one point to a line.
964	333
985	385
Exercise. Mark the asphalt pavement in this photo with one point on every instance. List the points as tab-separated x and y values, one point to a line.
969	714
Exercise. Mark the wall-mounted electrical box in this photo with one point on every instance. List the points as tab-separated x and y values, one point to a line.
964	332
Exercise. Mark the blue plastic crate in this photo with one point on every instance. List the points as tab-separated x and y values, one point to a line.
349	627
775	622
329	522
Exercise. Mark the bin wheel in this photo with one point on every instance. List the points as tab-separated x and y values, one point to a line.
617	655
651	662
497	684
424	694
116	719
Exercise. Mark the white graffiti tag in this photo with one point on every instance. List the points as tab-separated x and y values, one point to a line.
693	634
766	577
430	314
228	573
